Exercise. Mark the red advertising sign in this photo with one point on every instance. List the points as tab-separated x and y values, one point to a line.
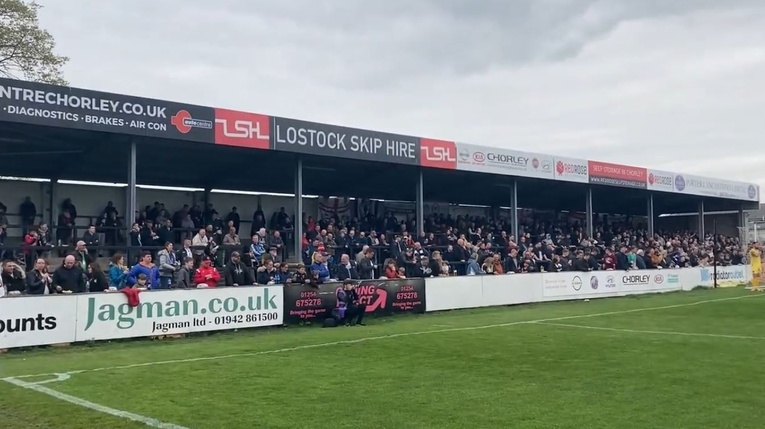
438	154
604	173
241	129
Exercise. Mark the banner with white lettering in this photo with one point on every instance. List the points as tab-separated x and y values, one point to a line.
292	135
60	106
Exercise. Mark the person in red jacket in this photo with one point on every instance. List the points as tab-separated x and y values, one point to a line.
206	274
609	261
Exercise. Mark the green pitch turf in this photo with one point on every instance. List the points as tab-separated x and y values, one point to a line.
681	360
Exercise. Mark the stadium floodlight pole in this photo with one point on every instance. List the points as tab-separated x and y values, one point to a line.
714	252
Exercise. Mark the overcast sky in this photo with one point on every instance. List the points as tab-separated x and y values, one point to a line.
669	84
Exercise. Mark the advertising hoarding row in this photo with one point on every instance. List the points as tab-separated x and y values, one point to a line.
80	109
40	320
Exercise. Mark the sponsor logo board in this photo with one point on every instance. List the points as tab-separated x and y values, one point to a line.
241	129
604	173
438	154
730	276
107	316
505	162
36	320
57	106
312	138
382	298
697	185
571	170
661	180
579	285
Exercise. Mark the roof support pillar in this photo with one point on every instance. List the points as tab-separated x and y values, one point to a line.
297	220
650	215
420	203
514	212
589	214
131	205
702	232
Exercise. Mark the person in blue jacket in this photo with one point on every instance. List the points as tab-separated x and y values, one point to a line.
145	267
320	267
118	272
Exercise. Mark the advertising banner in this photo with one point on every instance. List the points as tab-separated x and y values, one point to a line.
311	138
649	280
571	170
663	181
108	316
506	162
697	185
242	129
575	284
730	276
59	106
382	298
31	321
624	176
438	154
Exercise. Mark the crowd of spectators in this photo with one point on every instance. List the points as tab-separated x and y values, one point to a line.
196	247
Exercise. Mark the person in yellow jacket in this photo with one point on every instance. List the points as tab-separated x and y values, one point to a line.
755	259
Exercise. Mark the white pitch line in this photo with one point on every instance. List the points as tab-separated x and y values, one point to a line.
639	331
382	337
148	421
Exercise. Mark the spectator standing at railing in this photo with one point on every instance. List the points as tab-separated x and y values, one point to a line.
266	273
97	281
206	275
145	267
28	213
346	269
38	279
117	272
168	265
320	268
236	273
69	277
422	269
366	266
184	276
14	278
283	275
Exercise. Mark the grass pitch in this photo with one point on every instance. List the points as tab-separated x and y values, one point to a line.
681	360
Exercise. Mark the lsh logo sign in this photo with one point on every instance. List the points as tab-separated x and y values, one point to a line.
438	154
241	129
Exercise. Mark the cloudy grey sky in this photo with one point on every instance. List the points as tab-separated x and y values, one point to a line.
670	84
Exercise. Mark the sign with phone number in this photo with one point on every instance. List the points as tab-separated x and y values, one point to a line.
382	298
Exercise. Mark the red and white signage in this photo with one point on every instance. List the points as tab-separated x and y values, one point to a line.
438	154
241	129
625	176
571	170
